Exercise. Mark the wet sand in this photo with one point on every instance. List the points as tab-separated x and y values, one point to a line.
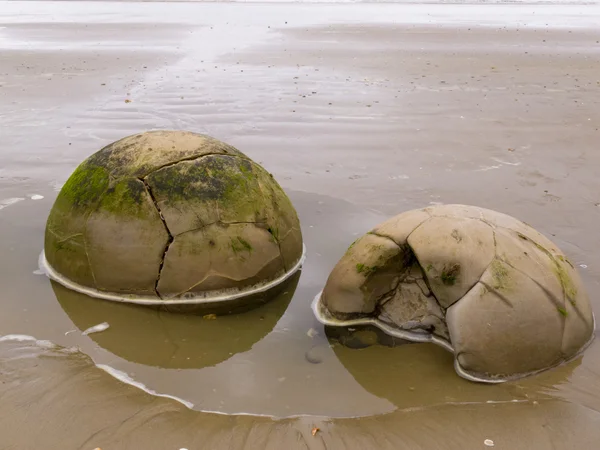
361	112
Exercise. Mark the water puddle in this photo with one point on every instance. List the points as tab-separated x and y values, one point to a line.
275	360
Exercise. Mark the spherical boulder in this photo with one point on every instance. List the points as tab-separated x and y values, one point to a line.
482	284
171	218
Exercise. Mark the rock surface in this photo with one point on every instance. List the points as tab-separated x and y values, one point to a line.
169	215
498	293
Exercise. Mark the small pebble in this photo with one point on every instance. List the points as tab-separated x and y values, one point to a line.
488	443
315	355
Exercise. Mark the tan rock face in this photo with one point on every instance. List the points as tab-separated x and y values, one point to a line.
172	215
498	293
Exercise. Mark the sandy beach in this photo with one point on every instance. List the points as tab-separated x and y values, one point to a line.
360	111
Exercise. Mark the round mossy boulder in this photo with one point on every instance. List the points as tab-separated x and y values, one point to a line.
172	217
482	284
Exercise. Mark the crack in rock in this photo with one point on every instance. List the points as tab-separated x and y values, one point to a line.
388	296
189	158
219	222
170	240
422	283
87	255
269	229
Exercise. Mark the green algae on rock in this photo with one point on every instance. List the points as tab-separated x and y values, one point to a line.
489	288
172	217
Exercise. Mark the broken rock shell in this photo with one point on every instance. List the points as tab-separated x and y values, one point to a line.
172	218
489	288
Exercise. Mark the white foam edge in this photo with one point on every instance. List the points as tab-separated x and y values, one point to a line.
49	271
115	373
5	203
27	338
124	378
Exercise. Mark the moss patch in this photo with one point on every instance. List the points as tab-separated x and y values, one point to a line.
569	287
500	275
239	244
129	198
450	274
84	187
213	177
350	250
217	187
274	231
76	200
567	283
138	155
563	311
365	270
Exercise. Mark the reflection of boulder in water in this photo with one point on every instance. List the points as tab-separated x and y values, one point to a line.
418	375
168	340
362	336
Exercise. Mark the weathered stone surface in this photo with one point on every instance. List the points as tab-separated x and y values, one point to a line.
69	255
498	219
579	318
366	274
399	227
415	311
219	258
291	246
210	189
64	243
281	218
506	325
456	211
529	259
160	201
499	293
453	252
140	154
126	239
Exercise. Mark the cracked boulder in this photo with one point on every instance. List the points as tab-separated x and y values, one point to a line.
172	217
486	286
